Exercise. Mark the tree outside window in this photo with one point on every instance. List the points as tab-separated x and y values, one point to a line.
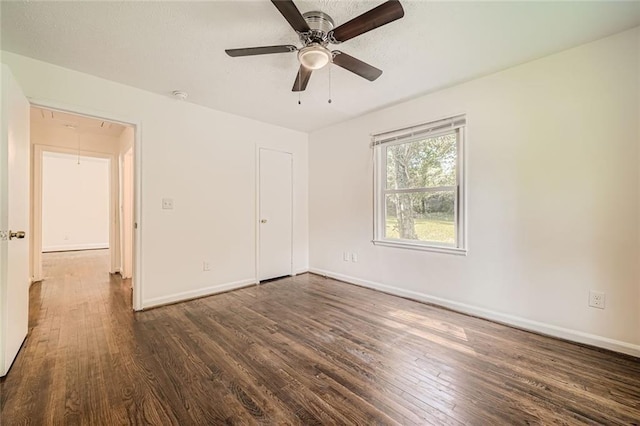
418	191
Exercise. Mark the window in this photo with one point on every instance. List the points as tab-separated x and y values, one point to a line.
419	187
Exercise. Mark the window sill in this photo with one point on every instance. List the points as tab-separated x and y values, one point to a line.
421	247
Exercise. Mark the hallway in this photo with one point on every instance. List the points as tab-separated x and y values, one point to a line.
80	332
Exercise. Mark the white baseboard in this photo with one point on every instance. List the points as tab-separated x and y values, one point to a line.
74	247
193	294
519	322
301	271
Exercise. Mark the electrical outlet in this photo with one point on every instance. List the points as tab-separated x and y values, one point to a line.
206	266
596	299
345	256
354	257
167	203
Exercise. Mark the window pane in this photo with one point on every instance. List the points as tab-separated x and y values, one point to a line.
421	216
424	163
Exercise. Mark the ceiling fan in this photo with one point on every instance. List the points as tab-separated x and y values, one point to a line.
316	31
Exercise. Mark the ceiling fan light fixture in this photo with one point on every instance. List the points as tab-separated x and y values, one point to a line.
314	56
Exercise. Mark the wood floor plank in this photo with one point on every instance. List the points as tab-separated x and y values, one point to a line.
303	350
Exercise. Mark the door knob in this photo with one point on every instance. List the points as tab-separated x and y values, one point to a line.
263	221
17	234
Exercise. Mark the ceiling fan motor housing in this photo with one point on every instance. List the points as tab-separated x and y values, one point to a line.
320	24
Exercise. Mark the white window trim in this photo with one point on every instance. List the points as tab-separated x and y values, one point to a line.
460	216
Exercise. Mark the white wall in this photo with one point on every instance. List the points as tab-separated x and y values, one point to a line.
203	159
75	202
553	197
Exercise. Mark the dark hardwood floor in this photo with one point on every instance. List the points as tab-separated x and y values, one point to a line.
304	350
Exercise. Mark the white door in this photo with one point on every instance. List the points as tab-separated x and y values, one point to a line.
276	218
14	220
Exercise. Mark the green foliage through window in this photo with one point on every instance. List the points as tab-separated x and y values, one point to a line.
424	173
423	163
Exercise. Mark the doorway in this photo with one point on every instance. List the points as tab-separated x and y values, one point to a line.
275	212
84	156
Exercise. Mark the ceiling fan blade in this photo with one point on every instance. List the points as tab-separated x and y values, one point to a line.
292	15
381	15
302	78
250	51
356	66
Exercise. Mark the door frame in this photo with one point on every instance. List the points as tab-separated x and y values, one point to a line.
257	216
137	274
120	206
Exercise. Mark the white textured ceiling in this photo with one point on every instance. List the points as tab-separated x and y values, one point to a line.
164	46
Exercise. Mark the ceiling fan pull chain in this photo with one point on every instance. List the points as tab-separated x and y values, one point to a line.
299	85
329	84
